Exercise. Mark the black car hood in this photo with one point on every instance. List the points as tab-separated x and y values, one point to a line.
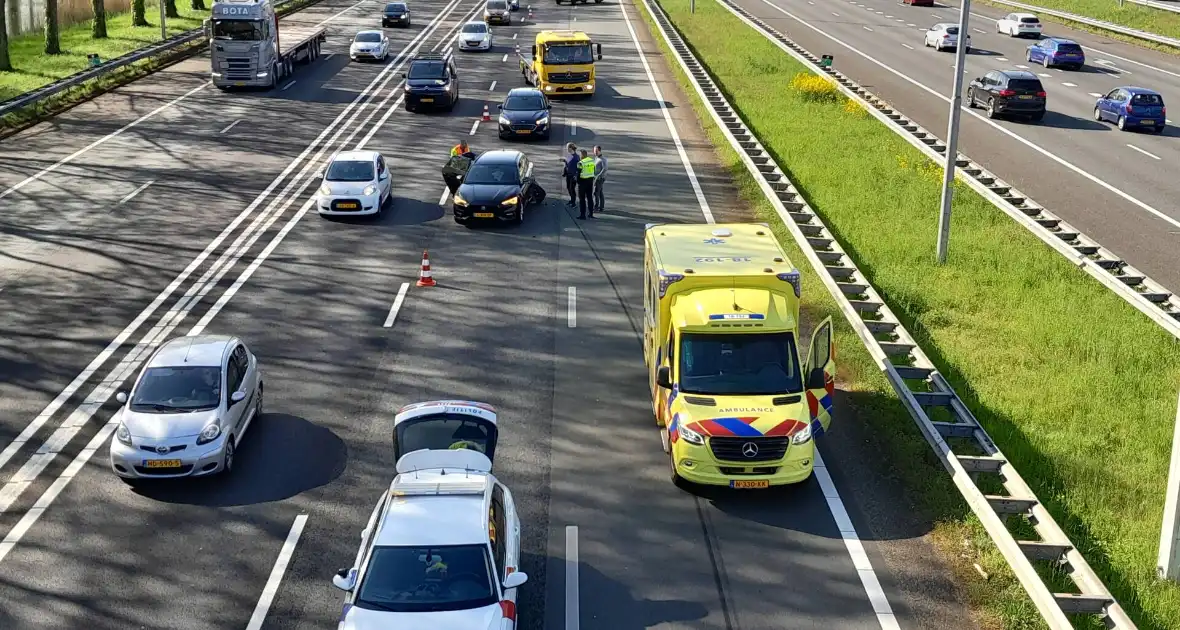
522	115
487	194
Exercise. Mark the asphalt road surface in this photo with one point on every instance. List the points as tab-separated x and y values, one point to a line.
1117	187
120	231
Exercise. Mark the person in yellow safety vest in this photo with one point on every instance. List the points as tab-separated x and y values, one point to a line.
460	149
586	184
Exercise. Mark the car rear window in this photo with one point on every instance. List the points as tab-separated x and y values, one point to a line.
1024	85
1029	20
1069	48
1147	99
952	30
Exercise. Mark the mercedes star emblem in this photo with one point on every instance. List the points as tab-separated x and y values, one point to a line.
750	449
163	450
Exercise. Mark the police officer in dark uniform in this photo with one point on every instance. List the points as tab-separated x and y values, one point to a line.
570	173
586	167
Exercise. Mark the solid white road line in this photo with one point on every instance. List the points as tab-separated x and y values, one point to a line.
572	593
474	126
231	126
397	304
384	117
692	175
276	574
135	192
1028	143
287	86
571	317
1150	155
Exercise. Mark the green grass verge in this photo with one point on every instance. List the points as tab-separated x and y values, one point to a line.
1129	15
1077	387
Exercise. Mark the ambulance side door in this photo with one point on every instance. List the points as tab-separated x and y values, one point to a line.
819	373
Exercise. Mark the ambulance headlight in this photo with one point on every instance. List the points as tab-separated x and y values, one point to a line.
803	436
692	437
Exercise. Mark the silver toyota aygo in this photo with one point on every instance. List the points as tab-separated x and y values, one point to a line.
188	410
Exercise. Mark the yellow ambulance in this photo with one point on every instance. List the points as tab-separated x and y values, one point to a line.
737	404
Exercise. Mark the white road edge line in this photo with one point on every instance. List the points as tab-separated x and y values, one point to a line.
231	126
131	195
692	175
572	592
571	317
1150	155
1028	143
276	574
287	86
397	305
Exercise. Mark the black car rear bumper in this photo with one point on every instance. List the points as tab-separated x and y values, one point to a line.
1013	106
432	100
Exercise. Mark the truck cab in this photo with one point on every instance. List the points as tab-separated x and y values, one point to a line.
562	63
247	47
739	400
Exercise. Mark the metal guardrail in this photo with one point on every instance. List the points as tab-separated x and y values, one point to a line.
1156	5
909	371
1108	26
79	78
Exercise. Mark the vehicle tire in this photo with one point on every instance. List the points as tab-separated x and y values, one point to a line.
227	460
991	108
1122	123
1037	117
967	51
677	480
1028	56
258	411
1045	61
519	220
970	98
274	76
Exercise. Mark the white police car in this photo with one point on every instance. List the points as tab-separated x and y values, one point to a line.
442	547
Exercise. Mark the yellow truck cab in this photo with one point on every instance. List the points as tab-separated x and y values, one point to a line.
736	404
561	63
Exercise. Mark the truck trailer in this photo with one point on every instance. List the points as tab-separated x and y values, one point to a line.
248	47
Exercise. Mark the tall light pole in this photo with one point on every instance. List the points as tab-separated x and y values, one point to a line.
952	135
163	26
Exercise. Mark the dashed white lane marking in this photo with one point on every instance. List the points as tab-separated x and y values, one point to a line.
286	87
888	17
1001	59
572	598
979	30
1068	84
908	46
1022	66
276	574
835	14
514	35
571	318
504	58
231	126
573	127
912	26
442	201
493	87
135	192
1150	155
936	16
397	305
1095	94
867	29
474	126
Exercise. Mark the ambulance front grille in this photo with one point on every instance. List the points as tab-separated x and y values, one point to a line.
734	449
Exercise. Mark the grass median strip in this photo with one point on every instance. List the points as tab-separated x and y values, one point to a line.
1076	386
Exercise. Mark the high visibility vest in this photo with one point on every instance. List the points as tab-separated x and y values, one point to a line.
456	150
586	168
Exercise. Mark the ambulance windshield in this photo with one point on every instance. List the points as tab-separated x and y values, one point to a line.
764	364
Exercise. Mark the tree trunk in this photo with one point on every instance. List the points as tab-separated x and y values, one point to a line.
196	5
170	9
5	62
139	13
98	30
52	36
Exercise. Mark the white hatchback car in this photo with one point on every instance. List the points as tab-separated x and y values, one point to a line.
945	36
1019	25
475	36
371	45
442	546
355	183
188	410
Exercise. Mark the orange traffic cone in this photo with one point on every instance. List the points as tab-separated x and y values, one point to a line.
424	277
486	116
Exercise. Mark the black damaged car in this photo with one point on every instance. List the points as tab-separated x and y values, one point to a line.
496	186
525	114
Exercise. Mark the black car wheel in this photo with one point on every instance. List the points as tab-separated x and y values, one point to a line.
991	108
519	214
970	98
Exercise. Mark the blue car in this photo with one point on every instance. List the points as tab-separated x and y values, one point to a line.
1056	51
1133	108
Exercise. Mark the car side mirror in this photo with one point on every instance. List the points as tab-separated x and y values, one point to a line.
383	176
515	580
599	51
319	174
405	75
237	397
815	378
121	397
345	579
500	107
664	377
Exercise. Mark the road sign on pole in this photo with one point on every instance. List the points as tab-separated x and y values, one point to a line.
1168	564
952	133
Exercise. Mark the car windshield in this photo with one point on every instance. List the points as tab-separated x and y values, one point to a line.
395	8
734	365
505	174
349	171
175	389
475	28
568	54
427	70
1147	99
368	37
239	30
497	5
1024	85
526	102
427	579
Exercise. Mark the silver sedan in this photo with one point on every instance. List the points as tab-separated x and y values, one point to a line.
188	410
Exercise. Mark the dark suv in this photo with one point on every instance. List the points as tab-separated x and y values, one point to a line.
1008	92
431	82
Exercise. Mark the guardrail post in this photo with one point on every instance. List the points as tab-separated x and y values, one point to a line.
1168	563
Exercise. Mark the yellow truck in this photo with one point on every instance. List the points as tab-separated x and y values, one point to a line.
561	63
736	403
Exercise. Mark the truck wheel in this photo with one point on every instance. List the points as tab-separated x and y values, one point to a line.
274	76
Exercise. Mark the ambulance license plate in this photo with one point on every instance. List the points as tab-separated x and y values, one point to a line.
161	463
484	215
749	483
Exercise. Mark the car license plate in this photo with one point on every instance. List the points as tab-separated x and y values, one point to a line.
240	83
161	463
1026	96
749	483
1147	122
348	206
484	215
523	131
428	100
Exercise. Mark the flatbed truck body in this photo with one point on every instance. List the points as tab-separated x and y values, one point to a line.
248	47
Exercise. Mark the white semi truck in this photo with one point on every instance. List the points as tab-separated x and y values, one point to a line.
248	47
